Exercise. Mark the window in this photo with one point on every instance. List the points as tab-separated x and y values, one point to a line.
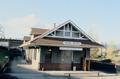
59	33
76	56
75	34
67	34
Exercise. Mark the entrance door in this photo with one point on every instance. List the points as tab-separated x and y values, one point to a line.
66	60
48	57
66	56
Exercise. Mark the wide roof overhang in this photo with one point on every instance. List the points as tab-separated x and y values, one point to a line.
61	45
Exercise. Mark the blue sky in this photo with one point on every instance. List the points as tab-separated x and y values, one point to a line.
99	18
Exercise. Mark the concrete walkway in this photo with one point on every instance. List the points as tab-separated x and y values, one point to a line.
22	70
20	66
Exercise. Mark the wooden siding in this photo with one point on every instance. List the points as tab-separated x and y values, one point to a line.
59	66
63	60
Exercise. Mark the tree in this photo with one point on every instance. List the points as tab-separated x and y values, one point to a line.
110	48
94	52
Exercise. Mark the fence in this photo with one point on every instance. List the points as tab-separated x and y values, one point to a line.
102	66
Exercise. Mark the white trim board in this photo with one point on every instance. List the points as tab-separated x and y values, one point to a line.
69	48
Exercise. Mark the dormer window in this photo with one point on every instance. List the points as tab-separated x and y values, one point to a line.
75	34
59	33
67	30
67	34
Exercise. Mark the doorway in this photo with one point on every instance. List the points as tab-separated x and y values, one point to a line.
48	56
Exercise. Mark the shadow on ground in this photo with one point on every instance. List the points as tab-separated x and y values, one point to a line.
6	76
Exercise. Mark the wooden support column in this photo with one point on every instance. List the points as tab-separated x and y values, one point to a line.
88	65
84	64
85	61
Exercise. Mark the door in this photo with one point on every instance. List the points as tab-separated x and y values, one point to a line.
66	56
48	57
66	60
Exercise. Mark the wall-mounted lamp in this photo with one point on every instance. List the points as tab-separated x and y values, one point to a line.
49	50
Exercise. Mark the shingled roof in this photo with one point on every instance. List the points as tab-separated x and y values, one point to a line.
38	31
42	39
59	42
26	38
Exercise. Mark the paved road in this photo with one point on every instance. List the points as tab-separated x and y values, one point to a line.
24	71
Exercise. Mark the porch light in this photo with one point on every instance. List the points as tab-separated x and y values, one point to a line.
49	50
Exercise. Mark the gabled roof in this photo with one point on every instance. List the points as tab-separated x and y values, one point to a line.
42	39
59	26
38	31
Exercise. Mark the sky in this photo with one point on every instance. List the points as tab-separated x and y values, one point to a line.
98	18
